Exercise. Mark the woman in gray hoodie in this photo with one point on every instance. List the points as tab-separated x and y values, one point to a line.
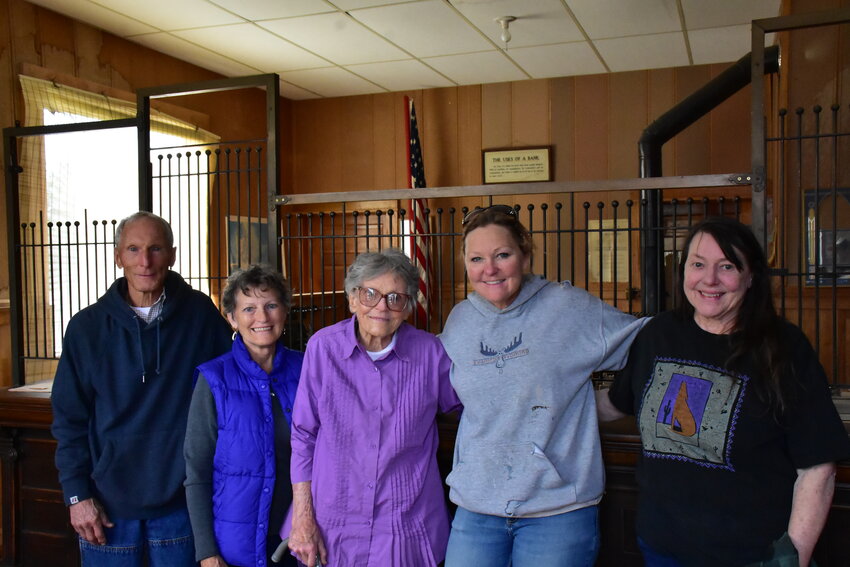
527	473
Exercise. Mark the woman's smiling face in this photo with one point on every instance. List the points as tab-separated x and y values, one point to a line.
714	285
259	316
377	324
495	264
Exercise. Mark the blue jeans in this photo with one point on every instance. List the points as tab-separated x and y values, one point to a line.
564	540
652	558
167	541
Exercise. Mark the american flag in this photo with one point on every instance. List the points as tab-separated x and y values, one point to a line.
419	239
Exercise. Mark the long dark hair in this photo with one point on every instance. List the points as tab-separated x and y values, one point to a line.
758	328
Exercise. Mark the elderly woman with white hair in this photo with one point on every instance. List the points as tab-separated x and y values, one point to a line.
366	487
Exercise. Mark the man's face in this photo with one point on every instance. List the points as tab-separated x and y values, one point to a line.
144	255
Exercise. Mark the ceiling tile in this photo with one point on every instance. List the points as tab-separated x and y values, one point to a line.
538	22
98	16
401	75
424	29
562	60
269	9
720	45
616	18
170	15
700	14
333	36
182	49
355	4
458	39
332	81
477	68
643	52
295	93
253	46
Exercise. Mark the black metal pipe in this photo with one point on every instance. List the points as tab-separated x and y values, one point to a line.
695	107
688	111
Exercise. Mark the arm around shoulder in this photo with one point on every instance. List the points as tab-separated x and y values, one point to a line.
605	409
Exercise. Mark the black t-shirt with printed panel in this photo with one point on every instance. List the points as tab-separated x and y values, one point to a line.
717	470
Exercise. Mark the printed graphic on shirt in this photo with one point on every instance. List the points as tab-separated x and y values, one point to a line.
498	356
689	412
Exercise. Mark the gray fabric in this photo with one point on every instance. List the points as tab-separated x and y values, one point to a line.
528	440
202	434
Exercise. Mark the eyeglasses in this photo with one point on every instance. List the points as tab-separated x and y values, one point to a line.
371	297
504	209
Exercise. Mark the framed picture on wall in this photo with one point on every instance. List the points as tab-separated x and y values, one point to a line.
517	165
247	241
827	236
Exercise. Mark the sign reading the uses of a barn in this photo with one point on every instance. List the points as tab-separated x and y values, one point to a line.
517	165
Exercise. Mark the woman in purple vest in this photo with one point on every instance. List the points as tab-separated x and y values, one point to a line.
237	439
366	487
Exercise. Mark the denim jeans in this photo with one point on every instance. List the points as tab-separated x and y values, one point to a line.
564	540
167	541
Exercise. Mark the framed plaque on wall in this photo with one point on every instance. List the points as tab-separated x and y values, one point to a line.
517	165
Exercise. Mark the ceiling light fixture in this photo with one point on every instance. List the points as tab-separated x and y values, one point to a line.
505	22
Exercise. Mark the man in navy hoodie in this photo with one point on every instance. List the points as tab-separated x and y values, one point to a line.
120	402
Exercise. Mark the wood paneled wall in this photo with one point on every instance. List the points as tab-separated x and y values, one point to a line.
34	35
352	143
592	122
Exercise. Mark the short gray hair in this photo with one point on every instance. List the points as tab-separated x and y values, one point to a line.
370	265
163	226
257	277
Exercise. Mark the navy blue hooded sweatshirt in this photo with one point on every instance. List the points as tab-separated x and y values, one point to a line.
121	397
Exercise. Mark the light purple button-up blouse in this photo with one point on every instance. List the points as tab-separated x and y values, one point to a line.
365	434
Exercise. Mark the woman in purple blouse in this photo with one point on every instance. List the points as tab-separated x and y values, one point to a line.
366	488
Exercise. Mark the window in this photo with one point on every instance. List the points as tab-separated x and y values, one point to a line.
73	188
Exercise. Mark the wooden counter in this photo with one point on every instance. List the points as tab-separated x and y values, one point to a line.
36	531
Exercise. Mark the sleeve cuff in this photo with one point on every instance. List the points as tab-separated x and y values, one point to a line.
76	491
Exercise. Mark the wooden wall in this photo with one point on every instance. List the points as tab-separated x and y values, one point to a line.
592	123
351	143
33	35
348	143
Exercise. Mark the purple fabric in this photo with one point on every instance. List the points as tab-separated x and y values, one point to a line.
364	433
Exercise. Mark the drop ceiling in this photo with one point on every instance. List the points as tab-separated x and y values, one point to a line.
329	48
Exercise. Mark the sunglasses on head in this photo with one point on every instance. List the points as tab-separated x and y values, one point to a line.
371	297
504	209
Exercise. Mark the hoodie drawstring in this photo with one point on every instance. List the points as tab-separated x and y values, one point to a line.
158	350
141	351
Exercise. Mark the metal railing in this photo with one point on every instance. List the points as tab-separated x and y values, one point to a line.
587	233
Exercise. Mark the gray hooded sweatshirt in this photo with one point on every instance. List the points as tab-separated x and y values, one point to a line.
528	440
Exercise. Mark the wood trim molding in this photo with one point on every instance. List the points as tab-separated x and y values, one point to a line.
191	116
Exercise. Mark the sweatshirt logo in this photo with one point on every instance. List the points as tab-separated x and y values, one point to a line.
498	356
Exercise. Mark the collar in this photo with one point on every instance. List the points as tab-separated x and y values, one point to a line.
148	314
161	298
351	345
250	367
